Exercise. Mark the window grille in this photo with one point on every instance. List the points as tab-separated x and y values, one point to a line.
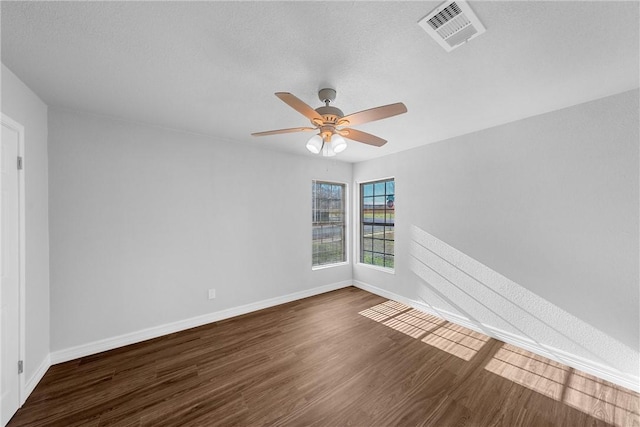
377	221
328	218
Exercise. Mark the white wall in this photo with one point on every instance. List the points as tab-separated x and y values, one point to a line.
24	106
144	220
529	228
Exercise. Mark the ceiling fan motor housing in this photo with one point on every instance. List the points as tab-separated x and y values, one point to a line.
329	113
330	116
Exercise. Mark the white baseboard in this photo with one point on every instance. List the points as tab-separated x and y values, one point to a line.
32	382
169	328
577	362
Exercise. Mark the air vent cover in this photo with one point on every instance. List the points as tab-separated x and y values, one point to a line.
452	24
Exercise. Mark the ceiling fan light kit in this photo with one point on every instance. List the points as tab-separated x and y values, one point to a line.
329	148
331	123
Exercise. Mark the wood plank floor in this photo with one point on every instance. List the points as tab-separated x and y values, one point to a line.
345	358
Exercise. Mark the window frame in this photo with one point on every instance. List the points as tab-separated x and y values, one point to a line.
345	224
359	219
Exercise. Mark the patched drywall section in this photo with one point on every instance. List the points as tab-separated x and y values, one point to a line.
549	205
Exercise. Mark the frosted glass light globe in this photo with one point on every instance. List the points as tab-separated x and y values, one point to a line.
315	144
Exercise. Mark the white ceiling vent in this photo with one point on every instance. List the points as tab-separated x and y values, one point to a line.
451	24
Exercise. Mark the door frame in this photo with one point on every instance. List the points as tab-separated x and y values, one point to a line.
19	129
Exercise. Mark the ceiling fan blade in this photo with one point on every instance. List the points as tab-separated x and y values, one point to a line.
275	132
373	114
299	106
358	135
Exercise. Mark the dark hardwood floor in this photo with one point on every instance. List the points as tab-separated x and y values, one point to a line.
342	358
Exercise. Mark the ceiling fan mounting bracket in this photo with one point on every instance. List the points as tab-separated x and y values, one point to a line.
327	95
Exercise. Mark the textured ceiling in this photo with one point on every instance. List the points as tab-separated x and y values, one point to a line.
212	67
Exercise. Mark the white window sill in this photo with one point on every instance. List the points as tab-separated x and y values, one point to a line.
324	266
375	267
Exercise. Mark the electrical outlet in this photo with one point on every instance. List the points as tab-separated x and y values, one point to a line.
212	293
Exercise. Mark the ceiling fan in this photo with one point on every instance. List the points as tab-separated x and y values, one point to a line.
332	125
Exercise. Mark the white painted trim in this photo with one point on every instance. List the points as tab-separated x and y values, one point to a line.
169	328
12	124
36	377
325	266
366	181
377	267
577	362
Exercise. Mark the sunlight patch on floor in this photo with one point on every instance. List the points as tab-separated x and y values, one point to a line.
456	340
384	311
581	391
529	370
434	331
414	323
602	400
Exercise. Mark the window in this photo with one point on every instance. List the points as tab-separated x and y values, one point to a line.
377	220
328	216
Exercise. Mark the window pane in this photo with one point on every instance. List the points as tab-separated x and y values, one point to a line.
378	259
337	192
390	187
367	203
379	189
391	201
390	216
388	261
378	231
378	245
367	190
